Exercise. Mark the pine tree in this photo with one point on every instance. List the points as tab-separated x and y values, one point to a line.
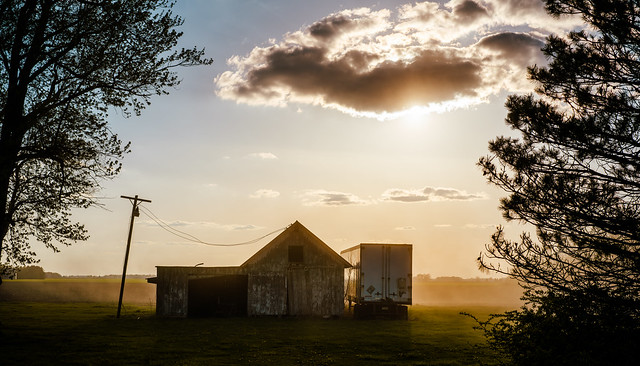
574	174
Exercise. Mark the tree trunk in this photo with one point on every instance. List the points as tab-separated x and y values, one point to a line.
7	159
11	137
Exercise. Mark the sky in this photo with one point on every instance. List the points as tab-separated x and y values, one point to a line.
363	120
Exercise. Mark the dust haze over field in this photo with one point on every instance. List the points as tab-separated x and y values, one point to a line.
136	291
476	292
436	292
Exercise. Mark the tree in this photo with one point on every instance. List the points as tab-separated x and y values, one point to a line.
574	174
64	65
31	273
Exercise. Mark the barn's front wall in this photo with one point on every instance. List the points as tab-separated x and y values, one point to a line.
303	274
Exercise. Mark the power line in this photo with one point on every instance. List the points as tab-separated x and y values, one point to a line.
192	238
167	227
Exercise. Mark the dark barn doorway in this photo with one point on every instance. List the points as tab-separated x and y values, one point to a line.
219	296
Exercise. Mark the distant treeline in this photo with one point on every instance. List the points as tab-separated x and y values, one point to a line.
427	277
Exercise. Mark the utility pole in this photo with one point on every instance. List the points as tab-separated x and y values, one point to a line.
134	213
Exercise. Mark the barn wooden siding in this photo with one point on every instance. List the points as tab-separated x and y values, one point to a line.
172	287
294	274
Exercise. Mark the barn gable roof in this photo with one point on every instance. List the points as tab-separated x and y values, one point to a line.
295	228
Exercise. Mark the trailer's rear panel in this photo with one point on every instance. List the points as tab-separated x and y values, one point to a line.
372	272
380	272
400	273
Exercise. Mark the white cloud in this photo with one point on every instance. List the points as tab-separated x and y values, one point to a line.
265	193
480	226
242	227
263	156
405	228
467	226
183	225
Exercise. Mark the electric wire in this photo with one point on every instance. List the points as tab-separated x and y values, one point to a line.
191	238
168	227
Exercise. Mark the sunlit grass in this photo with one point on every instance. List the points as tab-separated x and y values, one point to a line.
89	333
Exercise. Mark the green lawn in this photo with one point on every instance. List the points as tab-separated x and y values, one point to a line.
90	334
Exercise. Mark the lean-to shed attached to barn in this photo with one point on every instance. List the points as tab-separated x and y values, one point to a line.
294	274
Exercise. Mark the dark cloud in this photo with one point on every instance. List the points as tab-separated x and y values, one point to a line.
469	11
450	194
433	76
336	199
328	198
369	63
519	47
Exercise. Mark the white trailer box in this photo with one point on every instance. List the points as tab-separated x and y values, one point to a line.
381	273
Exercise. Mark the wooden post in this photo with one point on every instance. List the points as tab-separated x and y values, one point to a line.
134	213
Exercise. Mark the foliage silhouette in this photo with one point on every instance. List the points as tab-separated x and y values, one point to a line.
63	65
575	175
31	273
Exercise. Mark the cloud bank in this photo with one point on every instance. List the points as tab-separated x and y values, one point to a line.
381	63
321	197
430	194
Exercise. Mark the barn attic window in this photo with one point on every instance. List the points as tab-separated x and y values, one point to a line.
296	254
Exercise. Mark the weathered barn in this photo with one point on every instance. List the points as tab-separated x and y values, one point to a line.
294	274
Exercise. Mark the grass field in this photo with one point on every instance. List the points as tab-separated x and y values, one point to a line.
90	334
72	322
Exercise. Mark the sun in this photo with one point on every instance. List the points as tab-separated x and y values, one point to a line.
414	117
417	116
